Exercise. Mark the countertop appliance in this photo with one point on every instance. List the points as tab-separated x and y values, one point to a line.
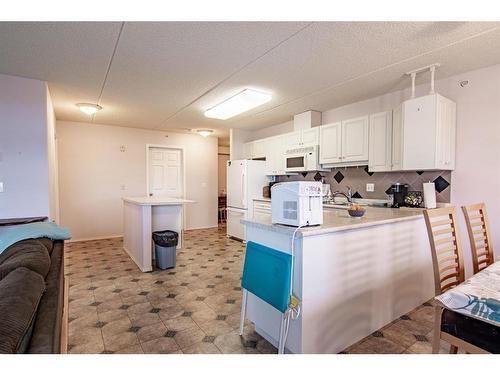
297	203
399	192
302	159
245	179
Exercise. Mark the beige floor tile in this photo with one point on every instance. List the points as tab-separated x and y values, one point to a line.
151	332
180	323
83	335
134	349
92	347
120	341
201	348
189	337
143	320
160	345
117	326
215	328
229	343
377	345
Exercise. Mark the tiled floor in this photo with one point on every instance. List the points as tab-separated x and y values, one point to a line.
194	308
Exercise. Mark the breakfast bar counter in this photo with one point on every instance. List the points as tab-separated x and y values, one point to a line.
352	276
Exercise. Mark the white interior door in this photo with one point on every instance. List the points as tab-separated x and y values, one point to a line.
165	172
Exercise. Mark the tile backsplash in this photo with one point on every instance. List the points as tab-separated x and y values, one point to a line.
358	177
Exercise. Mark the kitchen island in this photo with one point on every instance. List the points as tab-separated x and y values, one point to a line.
142	216
352	276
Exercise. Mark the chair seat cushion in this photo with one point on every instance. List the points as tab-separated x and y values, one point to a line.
30	254
20	294
481	334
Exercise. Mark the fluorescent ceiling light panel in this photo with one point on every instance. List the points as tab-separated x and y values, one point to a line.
239	103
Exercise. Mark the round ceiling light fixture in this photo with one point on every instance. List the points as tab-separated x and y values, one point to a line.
205	132
89	108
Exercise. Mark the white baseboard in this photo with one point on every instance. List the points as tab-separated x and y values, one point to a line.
196	228
95	238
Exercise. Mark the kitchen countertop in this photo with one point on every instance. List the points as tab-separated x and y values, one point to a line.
337	220
156	201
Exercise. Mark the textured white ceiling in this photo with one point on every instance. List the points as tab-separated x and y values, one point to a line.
164	75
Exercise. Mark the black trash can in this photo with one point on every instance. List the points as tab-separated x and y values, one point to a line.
165	243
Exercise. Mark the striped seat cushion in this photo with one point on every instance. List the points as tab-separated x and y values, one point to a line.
20	294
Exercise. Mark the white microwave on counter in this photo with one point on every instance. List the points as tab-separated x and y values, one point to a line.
302	159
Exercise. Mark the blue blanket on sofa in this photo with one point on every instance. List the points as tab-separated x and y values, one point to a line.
11	234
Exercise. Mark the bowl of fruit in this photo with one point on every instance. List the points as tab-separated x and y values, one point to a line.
356	210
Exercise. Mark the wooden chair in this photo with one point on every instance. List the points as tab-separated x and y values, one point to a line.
479	236
447	260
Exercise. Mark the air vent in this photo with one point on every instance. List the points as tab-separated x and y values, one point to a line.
290	210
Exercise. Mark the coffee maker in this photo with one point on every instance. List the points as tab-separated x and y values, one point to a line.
399	192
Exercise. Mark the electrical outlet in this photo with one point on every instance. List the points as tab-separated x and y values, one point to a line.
370	188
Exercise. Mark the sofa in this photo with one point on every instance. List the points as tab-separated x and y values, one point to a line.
32	296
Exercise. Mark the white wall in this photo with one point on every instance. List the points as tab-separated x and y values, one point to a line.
24	167
94	174
477	174
52	161
237	137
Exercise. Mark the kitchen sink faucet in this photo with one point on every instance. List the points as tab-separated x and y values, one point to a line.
348	195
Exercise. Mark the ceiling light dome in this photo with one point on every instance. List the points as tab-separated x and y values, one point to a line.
205	132
89	108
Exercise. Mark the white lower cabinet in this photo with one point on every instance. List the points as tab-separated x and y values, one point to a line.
380	142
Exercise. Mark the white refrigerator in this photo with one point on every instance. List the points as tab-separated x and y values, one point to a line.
245	180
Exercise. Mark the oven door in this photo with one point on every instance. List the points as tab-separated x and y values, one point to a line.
296	163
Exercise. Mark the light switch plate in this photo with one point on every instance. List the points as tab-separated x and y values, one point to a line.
370	188
1	187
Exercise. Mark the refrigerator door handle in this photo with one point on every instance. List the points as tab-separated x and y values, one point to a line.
243	199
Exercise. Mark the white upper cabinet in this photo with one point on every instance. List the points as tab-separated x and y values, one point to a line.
302	138
446	133
248	150
330	148
397	139
428	126
355	140
259	149
256	149
275	158
293	140
310	137
345	142
380	142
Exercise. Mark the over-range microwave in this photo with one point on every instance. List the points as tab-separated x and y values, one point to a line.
303	159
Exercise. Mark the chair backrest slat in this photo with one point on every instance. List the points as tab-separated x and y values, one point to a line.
479	235
447	257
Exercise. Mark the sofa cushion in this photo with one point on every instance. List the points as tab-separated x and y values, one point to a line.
46	336
20	294
47	243
30	254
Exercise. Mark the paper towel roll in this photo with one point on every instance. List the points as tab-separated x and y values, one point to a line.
429	195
